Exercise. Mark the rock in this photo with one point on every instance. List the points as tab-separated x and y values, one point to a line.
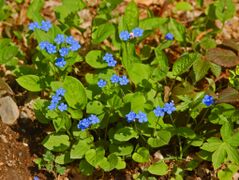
9	111
5	88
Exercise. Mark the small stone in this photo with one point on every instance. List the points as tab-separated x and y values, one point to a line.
9	111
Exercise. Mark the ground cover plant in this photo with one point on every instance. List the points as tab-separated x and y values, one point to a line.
128	102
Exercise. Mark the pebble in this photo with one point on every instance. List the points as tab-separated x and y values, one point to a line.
9	111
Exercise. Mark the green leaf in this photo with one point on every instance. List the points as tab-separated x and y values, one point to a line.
161	63
219	155
94	59
212	144
129	55
75	113
183	6
33	11
208	43
85	168
94	156
131	16
232	153
79	149
152	23
121	164
177	29
68	7
121	149
141	156
215	69
109	163
139	72
200	68
125	134
137	101
233	140
62	123
56	142
94	107
163	137
75	92
158	168
115	102
40	109
228	172
63	158
102	32
184	63
30	82
186	132
225	9
7	54
226	131
216	117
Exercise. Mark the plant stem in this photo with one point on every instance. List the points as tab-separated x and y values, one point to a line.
156	126
201	121
107	124
179	139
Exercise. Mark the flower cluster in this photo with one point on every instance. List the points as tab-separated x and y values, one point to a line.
87	122
136	32
131	116
123	80
110	60
208	100
167	108
55	100
169	36
45	26
66	44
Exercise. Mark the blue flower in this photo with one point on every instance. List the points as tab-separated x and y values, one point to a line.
112	63
60	38
60	92
123	80
114	78
36	178
138	32
208	100
62	107
60	62
83	124
52	106
55	98
70	40
45	25
34	25
169	107
50	48
169	36
142	117
124	35
43	45
159	111
75	46
64	51
107	57
131	116
93	119
101	83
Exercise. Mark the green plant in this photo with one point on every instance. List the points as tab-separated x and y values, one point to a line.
130	104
